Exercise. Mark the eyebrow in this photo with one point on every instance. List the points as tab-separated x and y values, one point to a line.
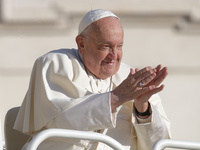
107	42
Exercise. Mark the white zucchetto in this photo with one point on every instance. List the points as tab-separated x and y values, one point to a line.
93	16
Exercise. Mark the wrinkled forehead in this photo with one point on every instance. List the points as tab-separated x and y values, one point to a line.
106	24
107	29
93	16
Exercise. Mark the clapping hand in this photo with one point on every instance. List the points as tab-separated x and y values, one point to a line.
141	100
140	85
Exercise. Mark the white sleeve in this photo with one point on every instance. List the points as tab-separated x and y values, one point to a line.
93	113
157	129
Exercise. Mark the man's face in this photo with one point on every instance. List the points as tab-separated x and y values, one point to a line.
102	48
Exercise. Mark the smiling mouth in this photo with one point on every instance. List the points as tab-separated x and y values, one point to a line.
112	62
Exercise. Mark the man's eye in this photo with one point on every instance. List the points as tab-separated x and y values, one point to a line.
119	46
104	47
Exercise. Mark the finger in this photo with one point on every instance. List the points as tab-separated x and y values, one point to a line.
148	79
151	92
144	90
138	75
160	77
130	78
154	91
131	72
161	71
140	72
158	67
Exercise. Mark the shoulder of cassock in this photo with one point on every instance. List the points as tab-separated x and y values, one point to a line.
58	81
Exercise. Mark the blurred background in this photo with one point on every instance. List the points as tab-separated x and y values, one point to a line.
163	32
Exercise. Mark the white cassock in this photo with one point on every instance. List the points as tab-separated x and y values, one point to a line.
63	94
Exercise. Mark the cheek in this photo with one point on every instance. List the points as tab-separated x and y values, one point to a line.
93	61
120	53
99	57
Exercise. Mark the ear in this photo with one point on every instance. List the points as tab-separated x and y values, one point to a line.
80	41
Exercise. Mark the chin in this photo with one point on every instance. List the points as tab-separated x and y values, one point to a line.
107	75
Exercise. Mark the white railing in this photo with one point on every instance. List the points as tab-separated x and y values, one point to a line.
48	133
169	143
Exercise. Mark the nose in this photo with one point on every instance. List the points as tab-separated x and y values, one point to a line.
113	53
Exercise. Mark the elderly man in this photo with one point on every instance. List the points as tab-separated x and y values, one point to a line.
90	89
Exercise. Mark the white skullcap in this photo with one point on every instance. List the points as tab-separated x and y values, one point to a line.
93	16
